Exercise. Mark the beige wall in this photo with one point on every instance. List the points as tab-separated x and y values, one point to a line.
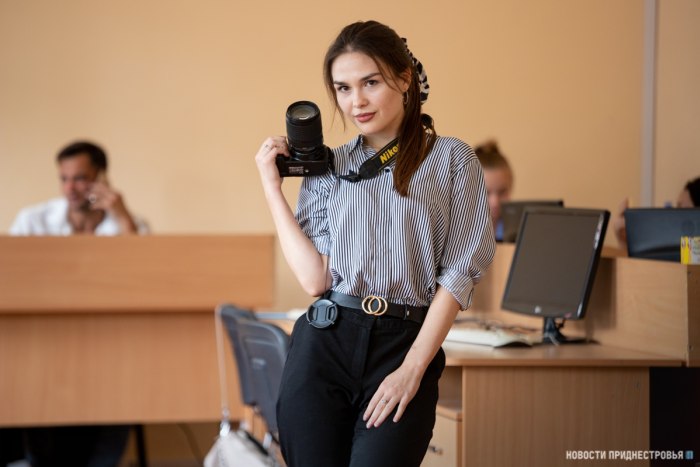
678	98
181	93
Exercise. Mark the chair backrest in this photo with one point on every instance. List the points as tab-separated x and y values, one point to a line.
260	350
232	312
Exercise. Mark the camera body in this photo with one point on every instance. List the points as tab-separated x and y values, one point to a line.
308	154
302	165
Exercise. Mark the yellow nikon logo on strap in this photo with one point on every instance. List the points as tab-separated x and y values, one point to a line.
372	166
389	153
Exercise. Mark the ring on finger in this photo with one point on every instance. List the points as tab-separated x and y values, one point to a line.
92	198
384	401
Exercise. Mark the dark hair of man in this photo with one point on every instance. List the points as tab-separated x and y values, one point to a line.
97	155
381	43
693	187
490	156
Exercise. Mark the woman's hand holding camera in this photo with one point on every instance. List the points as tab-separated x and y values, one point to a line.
265	160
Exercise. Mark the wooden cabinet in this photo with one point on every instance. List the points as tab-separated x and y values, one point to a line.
530	406
445	449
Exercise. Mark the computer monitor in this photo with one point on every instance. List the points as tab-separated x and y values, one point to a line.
512	214
553	266
655	233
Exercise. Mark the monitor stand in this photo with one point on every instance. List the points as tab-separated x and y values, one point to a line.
552	335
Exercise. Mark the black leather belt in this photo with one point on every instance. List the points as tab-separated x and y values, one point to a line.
378	306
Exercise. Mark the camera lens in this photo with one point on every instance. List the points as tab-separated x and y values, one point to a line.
304	130
307	154
303	111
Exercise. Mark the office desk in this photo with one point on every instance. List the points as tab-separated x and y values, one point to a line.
121	329
636	304
528	406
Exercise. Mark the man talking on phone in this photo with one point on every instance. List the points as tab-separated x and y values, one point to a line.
88	206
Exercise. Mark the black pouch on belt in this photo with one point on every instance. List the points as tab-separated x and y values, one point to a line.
322	313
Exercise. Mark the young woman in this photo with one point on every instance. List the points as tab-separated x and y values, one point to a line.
395	253
498	178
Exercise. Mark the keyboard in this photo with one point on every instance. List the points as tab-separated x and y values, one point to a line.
493	337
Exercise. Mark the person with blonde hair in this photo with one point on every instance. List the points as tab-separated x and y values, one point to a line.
498	177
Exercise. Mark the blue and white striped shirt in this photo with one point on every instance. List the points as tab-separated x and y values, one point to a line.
400	248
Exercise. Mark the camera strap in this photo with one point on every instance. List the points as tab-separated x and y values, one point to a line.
372	166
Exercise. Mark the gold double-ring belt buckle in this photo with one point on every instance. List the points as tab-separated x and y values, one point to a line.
375	306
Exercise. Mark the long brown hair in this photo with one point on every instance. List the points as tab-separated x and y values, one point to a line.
381	43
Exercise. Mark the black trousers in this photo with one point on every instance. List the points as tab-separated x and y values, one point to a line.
329	378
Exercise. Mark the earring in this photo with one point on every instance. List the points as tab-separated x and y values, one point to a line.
405	99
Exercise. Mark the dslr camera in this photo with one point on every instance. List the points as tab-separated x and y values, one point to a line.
308	154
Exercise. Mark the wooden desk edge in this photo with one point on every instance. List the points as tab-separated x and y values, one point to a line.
602	356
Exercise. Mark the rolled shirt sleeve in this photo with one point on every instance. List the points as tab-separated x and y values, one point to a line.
312	209
470	243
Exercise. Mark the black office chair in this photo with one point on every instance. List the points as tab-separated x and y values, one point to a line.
260	350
